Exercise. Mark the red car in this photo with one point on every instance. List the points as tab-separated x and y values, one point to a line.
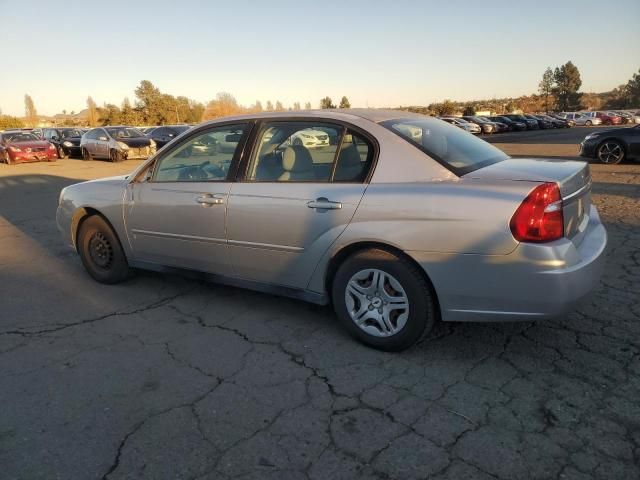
607	118
22	147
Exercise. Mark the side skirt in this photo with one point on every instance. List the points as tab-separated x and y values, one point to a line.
305	295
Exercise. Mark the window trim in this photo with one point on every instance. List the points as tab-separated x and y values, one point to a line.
252	143
196	132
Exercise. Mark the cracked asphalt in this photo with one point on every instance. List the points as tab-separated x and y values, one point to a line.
167	378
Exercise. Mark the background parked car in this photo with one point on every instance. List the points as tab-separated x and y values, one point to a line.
581	119
116	144
500	126
163	135
23	147
542	123
463	124
628	117
513	125
613	145
531	123
485	125
569	122
607	118
66	140
553	122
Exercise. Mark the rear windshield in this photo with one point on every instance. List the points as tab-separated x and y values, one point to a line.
459	151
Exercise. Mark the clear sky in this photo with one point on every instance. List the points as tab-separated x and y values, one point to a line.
377	52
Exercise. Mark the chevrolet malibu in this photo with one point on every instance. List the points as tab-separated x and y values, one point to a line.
404	221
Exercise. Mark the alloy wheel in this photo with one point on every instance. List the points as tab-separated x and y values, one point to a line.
377	303
610	152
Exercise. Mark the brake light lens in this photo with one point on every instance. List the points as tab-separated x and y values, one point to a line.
539	217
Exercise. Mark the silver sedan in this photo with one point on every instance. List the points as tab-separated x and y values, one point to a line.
402	221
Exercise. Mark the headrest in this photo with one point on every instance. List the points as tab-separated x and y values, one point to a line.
296	158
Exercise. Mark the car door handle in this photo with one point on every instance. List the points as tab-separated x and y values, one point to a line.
209	200
324	204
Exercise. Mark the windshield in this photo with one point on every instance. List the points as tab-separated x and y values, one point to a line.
71	133
454	148
124	132
20	137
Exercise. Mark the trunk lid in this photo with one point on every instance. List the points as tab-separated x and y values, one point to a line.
572	177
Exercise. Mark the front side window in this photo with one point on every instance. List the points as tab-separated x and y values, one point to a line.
309	152
456	149
204	158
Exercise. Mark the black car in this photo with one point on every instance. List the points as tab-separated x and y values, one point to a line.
513	124
531	123
556	123
543	124
485	125
612	146
66	140
163	135
570	123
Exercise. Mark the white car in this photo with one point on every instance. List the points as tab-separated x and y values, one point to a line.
310	138
581	119
463	124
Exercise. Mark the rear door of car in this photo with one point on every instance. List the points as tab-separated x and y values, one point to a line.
291	202
175	213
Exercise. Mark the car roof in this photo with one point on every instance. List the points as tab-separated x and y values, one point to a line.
371	114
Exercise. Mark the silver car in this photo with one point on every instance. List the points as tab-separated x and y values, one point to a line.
116	144
463	124
403	221
580	119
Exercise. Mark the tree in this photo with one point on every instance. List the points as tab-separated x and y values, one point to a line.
296	105
110	115
632	90
307	106
344	103
279	106
224	105
257	107
92	112
469	110
7	121
545	87
31	114
128	115
326	102
269	106
445	108
567	83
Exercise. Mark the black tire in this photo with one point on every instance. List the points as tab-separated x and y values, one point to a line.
297	142
86	156
6	158
421	298
611	152
588	123
61	153
101	252
116	156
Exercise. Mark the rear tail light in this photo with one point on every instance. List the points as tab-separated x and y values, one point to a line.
539	217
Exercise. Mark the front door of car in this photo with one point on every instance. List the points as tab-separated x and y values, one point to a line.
176	215
298	195
102	144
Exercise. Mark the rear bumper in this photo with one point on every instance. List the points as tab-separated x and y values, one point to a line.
535	281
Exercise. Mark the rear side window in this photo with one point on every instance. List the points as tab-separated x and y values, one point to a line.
459	151
309	152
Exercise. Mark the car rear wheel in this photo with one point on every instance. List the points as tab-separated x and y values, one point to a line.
101	252
116	156
383	300
86	155
588	123
611	152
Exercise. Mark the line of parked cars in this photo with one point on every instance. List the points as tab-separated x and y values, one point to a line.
478	124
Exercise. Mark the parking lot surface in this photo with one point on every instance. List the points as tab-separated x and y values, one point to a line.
164	377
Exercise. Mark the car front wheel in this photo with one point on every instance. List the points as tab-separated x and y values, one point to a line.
61	153
611	152
383	300
116	156
101	252
86	155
